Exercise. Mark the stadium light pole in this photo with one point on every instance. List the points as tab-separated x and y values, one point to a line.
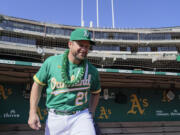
82	18
112	4
97	1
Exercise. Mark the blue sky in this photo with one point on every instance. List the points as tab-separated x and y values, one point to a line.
128	13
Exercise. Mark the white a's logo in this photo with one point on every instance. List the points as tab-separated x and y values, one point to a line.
86	33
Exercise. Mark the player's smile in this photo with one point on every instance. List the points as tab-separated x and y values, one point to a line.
83	53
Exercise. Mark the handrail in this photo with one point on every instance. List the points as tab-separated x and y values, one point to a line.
34	64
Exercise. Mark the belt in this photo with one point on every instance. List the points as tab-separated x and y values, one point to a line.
59	112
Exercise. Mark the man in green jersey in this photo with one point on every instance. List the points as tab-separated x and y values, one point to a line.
73	89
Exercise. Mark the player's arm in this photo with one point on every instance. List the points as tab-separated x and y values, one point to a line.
94	100
35	95
95	92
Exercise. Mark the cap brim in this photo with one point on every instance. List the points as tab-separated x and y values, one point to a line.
91	42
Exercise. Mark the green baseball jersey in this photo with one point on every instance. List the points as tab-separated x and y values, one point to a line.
60	97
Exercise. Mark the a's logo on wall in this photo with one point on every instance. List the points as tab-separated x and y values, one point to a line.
42	113
5	92
11	114
104	113
138	105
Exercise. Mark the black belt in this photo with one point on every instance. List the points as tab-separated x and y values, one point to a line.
59	112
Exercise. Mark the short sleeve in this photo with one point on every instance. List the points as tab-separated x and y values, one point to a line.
95	86
41	76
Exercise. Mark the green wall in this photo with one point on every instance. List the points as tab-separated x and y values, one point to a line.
134	105
140	105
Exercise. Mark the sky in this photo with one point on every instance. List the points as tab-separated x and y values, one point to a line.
127	13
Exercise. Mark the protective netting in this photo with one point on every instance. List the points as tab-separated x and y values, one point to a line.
29	42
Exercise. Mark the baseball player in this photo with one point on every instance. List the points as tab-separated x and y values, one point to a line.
73	89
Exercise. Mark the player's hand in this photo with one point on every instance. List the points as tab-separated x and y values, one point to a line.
34	121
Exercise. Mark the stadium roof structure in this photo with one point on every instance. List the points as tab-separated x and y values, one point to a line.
143	52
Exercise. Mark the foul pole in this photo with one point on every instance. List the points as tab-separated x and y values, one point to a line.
112	4
97	11
82	19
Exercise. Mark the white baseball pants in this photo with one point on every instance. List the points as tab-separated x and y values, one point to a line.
80	123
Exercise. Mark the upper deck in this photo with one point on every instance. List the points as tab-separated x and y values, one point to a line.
138	36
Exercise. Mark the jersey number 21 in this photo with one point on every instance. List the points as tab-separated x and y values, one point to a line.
81	98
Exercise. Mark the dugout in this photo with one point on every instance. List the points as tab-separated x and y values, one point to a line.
132	101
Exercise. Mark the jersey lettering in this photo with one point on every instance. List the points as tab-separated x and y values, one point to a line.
56	85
